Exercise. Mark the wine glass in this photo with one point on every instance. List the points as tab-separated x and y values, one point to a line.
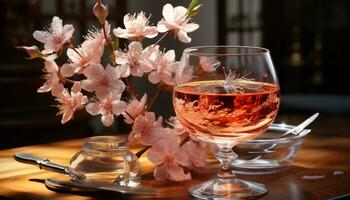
225	95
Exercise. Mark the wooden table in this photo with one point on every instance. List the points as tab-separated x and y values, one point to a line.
325	150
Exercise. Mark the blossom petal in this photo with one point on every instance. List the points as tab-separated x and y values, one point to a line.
93	109
160	173
111	72
166	145
41	36
126	21
67	115
73	56
169	74
56	25
190	27
182	158
102	92
123	71
94	71
155	156
121	58
168	12
50	47
68	70
169	56
119	107
135	48
107	120
119	32
183	37
76	88
150	32
176	173
88	85
162	26
181	12
51	66
154	77
133	137
118	87
68	31
57	90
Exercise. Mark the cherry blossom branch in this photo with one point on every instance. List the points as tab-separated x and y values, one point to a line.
130	88
128	114
141	152
109	44
155	97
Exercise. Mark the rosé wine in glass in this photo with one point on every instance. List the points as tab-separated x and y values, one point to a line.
213	113
226	95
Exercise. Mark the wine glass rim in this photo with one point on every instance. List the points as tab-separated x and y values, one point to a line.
195	50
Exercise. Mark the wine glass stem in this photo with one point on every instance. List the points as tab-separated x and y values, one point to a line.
226	156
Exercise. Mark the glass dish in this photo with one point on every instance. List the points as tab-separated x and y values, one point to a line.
269	153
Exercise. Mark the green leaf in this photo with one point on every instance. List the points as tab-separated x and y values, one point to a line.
195	11
192	5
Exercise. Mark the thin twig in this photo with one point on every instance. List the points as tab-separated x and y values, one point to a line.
76	51
130	88
139	154
186	139
128	114
155	97
161	38
109	43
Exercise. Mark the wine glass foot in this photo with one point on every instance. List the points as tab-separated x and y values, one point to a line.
227	189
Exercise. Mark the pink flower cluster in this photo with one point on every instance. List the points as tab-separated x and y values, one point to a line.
83	82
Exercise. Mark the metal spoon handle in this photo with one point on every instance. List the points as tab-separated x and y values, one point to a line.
44	163
303	125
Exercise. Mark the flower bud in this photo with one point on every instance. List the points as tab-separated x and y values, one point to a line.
100	11
33	51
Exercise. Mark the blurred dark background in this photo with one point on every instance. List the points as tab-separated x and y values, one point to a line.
308	42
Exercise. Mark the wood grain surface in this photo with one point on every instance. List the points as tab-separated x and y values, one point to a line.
324	151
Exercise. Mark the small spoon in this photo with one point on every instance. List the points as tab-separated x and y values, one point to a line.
299	129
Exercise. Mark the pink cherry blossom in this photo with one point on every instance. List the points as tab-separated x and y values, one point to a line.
134	109
146	129
104	82
136	59
177	20
168	158
186	72
52	80
195	152
136	28
89	53
208	64
176	128
71	102
107	108
55	36
165	67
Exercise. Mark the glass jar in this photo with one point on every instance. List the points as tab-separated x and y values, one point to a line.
107	159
